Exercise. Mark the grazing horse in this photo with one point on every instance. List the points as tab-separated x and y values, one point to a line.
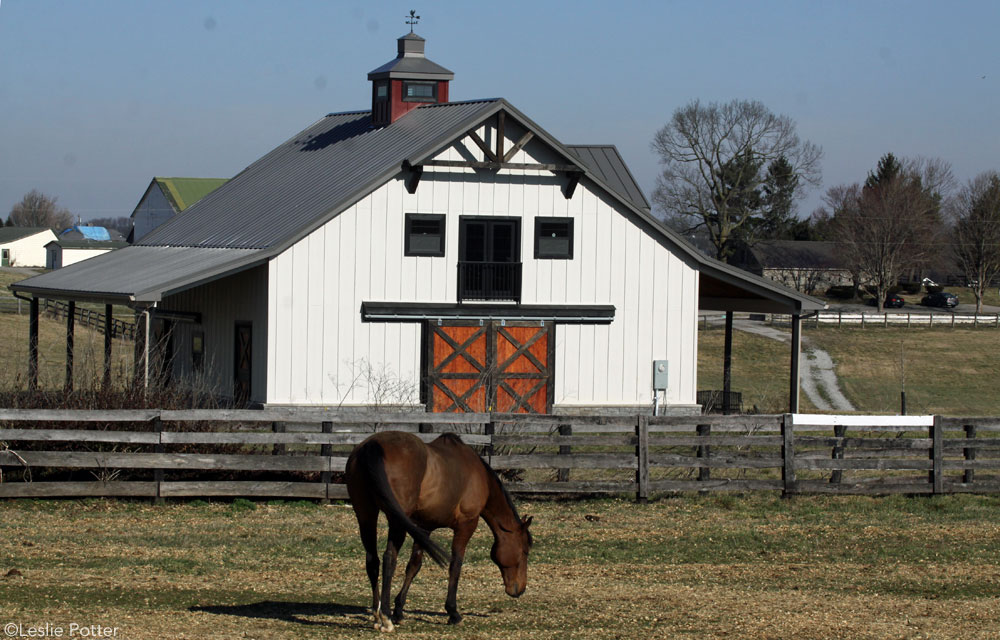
421	487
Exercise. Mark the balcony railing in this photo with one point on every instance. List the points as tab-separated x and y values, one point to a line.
489	281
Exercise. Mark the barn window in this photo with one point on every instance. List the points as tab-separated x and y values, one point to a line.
197	350
424	235
414	91
554	238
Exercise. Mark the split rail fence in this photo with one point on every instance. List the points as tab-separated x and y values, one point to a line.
299	454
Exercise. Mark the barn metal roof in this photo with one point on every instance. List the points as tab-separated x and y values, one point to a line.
605	161
313	176
138	274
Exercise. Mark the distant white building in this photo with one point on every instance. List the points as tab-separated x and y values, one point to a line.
24	246
81	243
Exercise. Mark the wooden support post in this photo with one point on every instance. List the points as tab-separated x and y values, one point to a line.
279	449
788	482
562	475
501	118
970	454
937	457
33	346
704	451
108	331
793	382
141	352
158	475
727	366
326	450
839	431
642	459
70	331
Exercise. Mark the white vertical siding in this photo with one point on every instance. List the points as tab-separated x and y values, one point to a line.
222	304
317	287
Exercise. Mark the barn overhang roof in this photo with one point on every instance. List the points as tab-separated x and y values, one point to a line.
138	275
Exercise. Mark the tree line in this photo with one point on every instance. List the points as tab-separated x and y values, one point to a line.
732	175
37	209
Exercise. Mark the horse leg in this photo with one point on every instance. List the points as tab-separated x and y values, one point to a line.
396	536
412	568
369	538
458	544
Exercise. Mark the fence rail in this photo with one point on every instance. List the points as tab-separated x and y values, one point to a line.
90	318
299	454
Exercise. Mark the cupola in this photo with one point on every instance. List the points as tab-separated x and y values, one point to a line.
407	81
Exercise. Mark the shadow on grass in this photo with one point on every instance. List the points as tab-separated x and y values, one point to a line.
297	612
302	612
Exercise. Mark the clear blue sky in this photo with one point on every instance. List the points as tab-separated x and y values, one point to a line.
97	97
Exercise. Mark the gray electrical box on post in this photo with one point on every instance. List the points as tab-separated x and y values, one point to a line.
661	377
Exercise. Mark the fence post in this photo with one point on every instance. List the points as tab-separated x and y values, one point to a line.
489	429
937	457
562	475
326	450
839	431
970	454
704	451
158	475
642	459
279	449
789	485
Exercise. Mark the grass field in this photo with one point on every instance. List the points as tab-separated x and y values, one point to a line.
88	358
700	567
947	371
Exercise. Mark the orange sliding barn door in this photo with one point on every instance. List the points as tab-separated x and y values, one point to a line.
497	366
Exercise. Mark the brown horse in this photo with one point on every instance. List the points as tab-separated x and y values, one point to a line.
421	487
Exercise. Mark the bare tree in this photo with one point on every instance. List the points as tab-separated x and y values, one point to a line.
976	226
39	210
890	224
715	160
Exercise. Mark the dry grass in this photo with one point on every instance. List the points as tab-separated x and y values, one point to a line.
88	358
747	567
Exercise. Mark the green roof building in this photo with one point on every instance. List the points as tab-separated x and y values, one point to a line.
165	198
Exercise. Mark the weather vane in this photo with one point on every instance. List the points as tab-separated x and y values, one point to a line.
412	19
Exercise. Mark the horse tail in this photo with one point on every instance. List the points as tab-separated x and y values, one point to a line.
372	458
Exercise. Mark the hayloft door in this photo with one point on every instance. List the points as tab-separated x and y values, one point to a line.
489	259
498	366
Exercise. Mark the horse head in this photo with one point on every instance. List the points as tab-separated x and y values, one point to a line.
510	552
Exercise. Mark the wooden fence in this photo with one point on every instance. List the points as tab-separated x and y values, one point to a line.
89	318
299	454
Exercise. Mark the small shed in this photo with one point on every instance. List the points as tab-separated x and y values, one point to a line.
24	246
79	243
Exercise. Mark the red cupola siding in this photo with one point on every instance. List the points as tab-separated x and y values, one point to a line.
406	82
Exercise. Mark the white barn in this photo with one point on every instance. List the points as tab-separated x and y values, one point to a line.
24	246
450	256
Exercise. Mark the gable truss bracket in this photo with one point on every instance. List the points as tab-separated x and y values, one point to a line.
574	179
413	175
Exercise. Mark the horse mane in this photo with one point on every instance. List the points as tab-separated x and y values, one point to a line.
506	494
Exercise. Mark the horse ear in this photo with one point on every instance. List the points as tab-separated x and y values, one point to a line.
527	521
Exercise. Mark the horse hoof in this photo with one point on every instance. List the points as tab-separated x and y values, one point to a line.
454	619
385	627
397	616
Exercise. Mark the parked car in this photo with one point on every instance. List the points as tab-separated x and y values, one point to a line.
940	299
892	301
